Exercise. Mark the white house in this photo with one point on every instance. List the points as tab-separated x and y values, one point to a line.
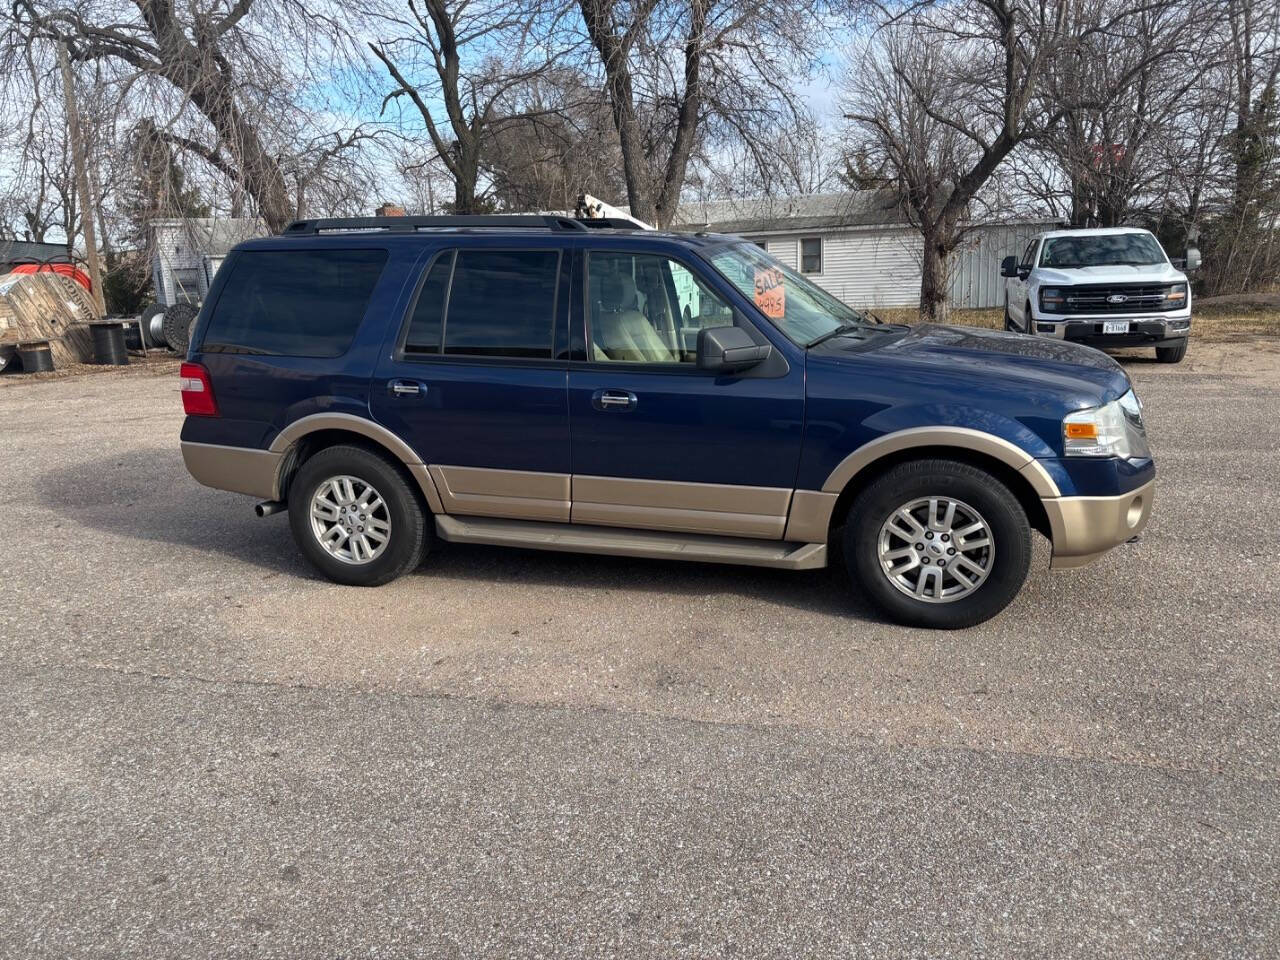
859	246
186	253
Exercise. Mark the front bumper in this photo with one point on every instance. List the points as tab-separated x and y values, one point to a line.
1143	331
1084	528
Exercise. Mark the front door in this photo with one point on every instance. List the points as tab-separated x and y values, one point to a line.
472	384
1016	287
658	443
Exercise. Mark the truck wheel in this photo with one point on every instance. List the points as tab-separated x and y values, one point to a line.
938	543
354	516
1172	354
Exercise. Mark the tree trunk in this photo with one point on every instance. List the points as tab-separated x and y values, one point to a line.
934	304
613	55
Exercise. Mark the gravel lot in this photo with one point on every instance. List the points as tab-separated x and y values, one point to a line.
207	751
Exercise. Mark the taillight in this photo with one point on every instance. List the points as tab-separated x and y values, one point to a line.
197	391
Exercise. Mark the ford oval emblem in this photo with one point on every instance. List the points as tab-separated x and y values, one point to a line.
1117	298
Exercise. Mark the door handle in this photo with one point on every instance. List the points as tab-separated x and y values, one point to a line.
406	388
614	400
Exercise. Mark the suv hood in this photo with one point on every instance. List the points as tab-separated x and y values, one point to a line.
993	360
1113	273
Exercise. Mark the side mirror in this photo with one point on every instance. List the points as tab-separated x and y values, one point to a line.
1009	267
728	349
1193	258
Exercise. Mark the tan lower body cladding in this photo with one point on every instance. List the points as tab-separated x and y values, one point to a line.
709	508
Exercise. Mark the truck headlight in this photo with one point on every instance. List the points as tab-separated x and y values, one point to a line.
1052	299
1112	430
1175	295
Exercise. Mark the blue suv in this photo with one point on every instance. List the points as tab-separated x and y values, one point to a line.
561	384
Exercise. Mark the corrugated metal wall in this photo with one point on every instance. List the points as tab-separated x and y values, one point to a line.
881	268
975	268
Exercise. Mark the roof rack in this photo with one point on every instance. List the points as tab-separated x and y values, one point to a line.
414	224
609	223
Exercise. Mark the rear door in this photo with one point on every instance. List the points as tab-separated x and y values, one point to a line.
472	383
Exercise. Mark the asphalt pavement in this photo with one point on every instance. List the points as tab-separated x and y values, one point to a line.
207	751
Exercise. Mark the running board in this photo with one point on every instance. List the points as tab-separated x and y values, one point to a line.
578	538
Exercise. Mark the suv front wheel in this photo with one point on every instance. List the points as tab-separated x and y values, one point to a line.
354	516
938	543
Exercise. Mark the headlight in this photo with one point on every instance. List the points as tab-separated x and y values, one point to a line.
1175	295
1112	430
1052	299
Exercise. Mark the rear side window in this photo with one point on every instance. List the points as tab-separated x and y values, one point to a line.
502	303
294	303
427	320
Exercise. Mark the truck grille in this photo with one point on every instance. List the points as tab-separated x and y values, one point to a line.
1138	298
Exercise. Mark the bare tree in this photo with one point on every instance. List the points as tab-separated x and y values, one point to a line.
1111	154
222	60
947	92
684	75
557	143
450	44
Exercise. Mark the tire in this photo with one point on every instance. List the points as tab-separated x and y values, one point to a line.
1172	354
999	570
178	320
407	535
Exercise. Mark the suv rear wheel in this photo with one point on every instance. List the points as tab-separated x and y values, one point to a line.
938	543
354	516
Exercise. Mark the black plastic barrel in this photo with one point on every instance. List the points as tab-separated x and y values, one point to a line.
36	357
108	344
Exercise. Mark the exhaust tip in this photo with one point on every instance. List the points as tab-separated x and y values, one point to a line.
267	507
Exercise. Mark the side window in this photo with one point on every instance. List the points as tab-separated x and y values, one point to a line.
811	255
294	303
502	303
427	321
1028	256
644	308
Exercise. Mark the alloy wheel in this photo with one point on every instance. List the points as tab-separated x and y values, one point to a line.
936	549
350	520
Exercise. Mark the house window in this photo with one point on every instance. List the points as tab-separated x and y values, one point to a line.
811	255
763	244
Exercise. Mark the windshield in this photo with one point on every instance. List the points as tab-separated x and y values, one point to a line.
1102	250
800	308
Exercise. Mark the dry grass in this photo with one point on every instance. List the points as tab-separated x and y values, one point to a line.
1222	318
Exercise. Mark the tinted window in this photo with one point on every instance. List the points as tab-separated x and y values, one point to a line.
297	303
502	303
428	313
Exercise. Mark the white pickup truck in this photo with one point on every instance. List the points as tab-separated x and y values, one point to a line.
1111	287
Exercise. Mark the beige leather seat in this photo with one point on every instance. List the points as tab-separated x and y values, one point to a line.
621	332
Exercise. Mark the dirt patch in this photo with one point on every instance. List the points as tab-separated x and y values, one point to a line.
156	364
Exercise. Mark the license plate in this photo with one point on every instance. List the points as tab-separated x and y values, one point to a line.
1115	326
